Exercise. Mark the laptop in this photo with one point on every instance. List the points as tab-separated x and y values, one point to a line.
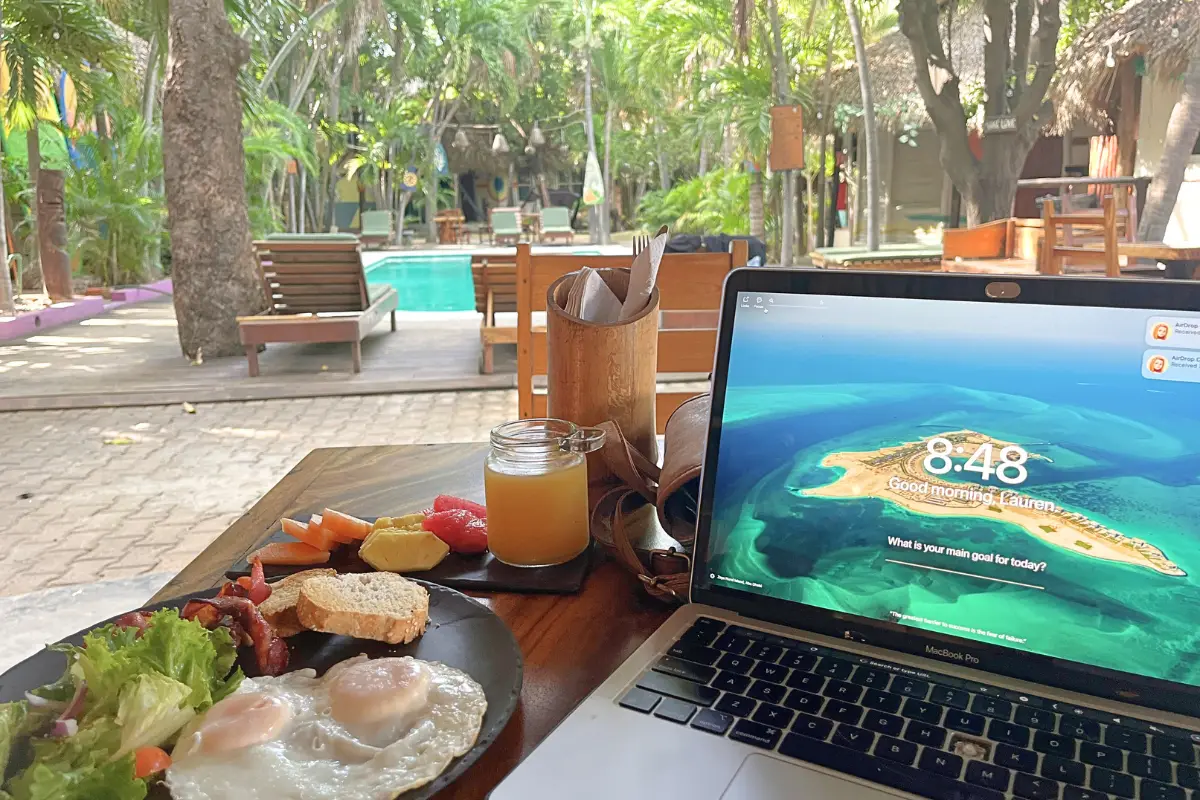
948	546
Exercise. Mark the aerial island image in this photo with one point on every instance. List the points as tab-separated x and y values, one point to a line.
971	476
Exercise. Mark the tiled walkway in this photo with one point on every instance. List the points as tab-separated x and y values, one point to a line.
102	494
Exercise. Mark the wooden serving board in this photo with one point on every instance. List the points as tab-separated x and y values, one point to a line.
470	573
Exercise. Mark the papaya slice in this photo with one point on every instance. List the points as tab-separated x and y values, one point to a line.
290	554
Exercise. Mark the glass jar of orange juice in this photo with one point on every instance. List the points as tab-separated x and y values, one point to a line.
537	491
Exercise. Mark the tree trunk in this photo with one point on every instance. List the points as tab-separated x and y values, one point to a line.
215	278
606	215
150	87
589	116
1182	131
303	198
7	295
758	227
431	187
703	169
869	130
402	205
33	145
826	126
783	91
52	235
664	173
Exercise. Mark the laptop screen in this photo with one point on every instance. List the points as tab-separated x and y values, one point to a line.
1018	475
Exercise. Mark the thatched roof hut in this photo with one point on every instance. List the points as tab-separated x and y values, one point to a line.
1162	33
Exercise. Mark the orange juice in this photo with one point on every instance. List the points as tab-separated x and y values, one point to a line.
537	513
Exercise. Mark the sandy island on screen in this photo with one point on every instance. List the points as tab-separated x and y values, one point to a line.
898	474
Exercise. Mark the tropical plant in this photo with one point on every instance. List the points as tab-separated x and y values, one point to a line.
716	202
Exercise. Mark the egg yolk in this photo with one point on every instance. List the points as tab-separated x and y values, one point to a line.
376	690
238	721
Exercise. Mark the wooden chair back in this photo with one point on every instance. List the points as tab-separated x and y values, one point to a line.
312	276
689	291
1057	240
495	277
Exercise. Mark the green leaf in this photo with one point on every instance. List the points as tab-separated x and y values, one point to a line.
12	720
152	710
80	767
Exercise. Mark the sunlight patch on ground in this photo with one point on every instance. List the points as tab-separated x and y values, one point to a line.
102	322
244	433
66	341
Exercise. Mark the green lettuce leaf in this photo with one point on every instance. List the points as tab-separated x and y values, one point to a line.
151	711
12	722
80	767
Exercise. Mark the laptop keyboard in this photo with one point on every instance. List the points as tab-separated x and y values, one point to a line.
928	734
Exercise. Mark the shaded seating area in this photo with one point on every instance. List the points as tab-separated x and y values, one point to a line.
689	288
317	292
376	228
556	224
495	278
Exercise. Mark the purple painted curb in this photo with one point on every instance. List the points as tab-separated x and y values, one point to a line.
78	309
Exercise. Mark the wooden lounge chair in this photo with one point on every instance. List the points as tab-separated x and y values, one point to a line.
556	224
495	276
318	293
376	227
506	226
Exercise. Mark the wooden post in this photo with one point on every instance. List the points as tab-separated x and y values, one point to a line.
524	332
52	235
1112	264
1049	265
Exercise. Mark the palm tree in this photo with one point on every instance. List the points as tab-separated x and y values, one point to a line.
870	131
1183	130
42	40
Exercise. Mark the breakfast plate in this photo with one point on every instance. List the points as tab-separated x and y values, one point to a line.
462	634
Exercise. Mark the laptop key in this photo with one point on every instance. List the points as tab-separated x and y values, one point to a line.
806	681
834	668
765	652
1079	793
877	770
896	750
701	637
1100	756
910	687
871	678
922	711
1039	718
731	682
1157	769
838	711
769	672
639	700
949	696
756	734
882	701
1054	744
991	707
1187	776
733	663
1032	788
1109	782
747	633
883	723
731	643
966	722
1086	729
793	659
1008	732
1060	769
712	721
841	690
735	704
988	775
1177	750
772	715
812	727
1151	790
694	652
685	669
768	692
929	735
675	710
1124	738
798	700
853	737
1017	758
679	688
708	623
942	763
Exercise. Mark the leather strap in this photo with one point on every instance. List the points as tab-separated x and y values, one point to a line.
665	573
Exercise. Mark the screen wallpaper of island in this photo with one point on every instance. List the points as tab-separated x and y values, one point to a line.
1020	475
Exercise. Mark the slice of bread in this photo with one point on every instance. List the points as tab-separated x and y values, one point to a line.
372	605
280	608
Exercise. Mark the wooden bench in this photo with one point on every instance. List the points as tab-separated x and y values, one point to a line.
689	287
495	277
1003	247
898	256
318	293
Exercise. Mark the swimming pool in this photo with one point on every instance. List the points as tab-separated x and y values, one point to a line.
428	283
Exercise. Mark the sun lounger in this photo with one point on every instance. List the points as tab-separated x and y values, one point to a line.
506	227
318	293
556	224
376	227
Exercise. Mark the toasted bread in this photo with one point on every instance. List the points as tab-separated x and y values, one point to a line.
374	605
280	608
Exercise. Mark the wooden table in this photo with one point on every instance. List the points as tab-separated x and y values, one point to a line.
570	643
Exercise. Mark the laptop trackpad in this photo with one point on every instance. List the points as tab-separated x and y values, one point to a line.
765	778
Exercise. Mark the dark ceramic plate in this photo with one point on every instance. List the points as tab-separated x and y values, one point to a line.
462	633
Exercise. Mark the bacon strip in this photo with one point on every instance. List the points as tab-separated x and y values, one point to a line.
270	651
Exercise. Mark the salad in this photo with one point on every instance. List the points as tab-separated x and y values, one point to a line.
101	731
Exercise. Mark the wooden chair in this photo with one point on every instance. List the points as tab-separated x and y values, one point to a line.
1009	246
1056	223
495	276
689	299
318	293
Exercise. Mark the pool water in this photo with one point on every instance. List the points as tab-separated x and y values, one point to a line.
428	283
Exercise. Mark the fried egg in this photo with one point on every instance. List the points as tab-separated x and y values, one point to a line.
369	729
